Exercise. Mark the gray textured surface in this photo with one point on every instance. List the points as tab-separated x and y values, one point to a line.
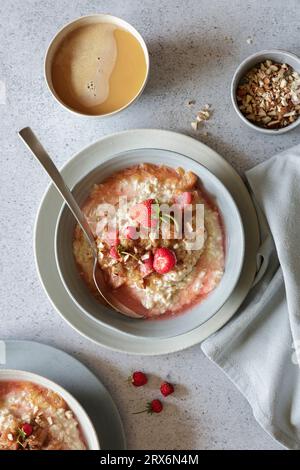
195	46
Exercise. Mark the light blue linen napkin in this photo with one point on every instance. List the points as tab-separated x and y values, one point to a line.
259	349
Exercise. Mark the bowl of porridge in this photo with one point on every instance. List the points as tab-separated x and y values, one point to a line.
170	242
38	414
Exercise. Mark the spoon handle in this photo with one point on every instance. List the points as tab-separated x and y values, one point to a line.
42	156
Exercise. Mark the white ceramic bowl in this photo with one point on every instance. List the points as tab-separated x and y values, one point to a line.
162	328
276	55
84	20
84	421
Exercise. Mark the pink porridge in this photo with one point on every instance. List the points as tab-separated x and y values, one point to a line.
36	418
163	274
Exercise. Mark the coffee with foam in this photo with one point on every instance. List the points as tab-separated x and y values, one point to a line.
98	68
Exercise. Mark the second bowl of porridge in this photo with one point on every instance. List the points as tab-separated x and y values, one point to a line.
170	242
38	414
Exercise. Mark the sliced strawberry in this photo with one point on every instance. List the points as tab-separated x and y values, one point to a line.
111	237
147	266
144	213
130	233
183	199
113	252
164	260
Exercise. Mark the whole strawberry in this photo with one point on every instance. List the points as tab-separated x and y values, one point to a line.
166	389
138	379
154	406
27	429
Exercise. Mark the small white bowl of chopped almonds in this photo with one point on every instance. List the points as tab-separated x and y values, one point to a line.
265	91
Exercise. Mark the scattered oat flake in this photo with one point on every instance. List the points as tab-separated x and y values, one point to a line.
249	40
194	125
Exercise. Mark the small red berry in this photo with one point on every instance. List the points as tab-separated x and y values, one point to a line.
27	428
138	379
154	406
164	260
166	389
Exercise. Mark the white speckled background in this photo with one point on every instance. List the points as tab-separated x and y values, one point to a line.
195	47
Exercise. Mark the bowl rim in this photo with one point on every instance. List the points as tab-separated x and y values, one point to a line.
114	20
72	402
236	78
217	181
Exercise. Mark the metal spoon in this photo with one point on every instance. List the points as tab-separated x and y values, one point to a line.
42	156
